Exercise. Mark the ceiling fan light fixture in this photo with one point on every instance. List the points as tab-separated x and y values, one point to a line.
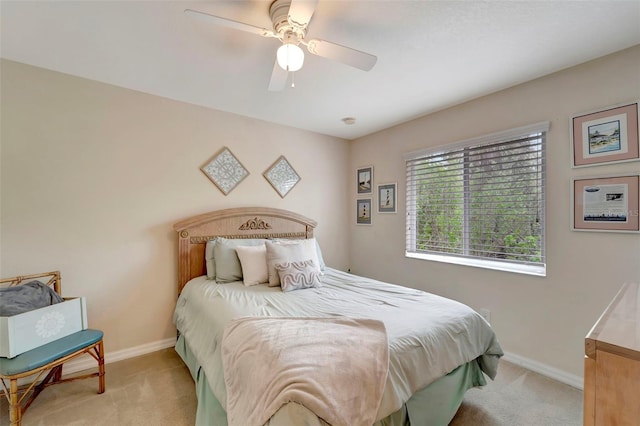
290	57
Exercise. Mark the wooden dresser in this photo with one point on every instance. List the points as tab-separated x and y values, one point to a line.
612	363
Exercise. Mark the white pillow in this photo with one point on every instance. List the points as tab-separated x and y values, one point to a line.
322	265
227	263
311	245
286	252
253	260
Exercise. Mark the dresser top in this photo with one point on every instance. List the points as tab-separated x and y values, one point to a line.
618	329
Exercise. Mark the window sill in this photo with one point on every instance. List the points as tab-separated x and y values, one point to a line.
540	271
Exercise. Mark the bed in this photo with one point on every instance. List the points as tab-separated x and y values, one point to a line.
359	351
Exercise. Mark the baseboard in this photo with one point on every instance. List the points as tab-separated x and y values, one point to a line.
86	362
545	370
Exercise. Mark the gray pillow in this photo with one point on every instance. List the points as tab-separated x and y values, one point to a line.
209	260
298	275
228	267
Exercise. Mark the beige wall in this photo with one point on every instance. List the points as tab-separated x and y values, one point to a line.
94	176
542	319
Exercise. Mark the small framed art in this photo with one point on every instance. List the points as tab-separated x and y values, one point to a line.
607	203
225	171
363	211
609	135
282	176
387	198
364	180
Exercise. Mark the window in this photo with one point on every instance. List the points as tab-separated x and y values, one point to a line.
480	202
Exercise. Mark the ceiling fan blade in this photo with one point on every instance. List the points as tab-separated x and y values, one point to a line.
230	23
300	12
278	78
346	55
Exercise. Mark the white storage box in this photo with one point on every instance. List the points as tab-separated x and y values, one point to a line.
23	332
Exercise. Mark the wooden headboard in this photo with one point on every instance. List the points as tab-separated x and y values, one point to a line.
244	222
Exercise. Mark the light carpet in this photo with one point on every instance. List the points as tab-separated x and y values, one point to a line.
156	389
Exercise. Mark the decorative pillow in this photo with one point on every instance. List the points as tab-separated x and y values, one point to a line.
253	260
288	252
209	261
228	268
316	257
298	275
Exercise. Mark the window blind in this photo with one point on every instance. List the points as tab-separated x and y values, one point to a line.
481	199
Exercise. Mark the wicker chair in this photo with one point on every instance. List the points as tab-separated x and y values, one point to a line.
47	359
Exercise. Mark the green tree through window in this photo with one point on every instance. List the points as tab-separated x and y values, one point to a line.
479	199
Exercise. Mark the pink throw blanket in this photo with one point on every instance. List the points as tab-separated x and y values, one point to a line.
336	367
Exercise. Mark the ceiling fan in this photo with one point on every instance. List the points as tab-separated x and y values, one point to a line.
290	20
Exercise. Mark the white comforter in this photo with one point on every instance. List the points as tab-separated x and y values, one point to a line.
429	336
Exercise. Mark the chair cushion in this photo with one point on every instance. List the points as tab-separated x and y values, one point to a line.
50	352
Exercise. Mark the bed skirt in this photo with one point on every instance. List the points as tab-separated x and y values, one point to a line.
434	405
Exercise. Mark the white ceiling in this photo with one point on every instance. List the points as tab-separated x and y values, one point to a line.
431	54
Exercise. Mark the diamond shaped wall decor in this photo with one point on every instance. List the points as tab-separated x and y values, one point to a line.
225	171
282	176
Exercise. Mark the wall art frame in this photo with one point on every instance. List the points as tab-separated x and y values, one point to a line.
387	197
363	211
606	203
282	176
605	136
225	170
364	180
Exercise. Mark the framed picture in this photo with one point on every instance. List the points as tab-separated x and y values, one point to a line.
387	198
363	211
282	176
224	170
364	180
609	135
607	203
